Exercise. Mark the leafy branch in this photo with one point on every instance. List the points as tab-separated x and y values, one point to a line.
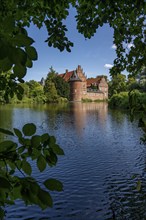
17	156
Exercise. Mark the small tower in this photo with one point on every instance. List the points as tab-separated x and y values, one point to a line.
75	87
103	86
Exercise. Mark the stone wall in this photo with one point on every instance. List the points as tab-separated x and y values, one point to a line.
94	96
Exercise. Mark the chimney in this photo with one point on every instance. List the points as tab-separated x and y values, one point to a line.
79	67
66	71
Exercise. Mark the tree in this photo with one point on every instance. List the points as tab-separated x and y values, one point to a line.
132	83
49	87
36	92
50	92
117	84
127	18
62	87
55	86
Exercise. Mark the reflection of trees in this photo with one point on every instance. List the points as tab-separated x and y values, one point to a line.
53	113
125	202
5	118
74	114
118	116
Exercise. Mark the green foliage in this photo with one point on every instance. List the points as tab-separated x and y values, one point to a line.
132	83
8	87
36	92
62	87
127	18
50	92
28	92
53	184
55	87
17	156
120	100
117	84
86	100
137	103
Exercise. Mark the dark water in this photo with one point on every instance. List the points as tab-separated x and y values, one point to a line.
102	155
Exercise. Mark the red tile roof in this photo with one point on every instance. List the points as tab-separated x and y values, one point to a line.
66	76
95	81
91	81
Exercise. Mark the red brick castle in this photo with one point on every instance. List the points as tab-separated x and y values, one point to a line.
82	88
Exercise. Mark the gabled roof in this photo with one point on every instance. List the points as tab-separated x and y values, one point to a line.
94	81
74	77
70	75
66	76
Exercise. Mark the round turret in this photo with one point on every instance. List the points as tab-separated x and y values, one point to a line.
75	87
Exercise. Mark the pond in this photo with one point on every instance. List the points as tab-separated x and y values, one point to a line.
102	164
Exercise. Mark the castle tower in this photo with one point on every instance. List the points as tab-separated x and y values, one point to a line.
83	78
75	87
103	86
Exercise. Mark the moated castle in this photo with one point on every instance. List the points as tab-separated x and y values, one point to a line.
82	87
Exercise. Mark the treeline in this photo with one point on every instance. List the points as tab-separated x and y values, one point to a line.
51	89
121	90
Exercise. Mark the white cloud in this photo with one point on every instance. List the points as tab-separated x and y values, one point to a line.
114	46
108	66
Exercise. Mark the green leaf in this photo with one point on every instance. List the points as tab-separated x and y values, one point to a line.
4	183
21	149
17	133
6	145
51	158
44	137
35	141
29	63
4	131
5	64
22	40
41	163
3	50
52	140
31	52
27	142
17	56
45	198
19	70
20	89
9	23
19	96
26	167
57	150
2	213
35	154
29	129
53	185
34	187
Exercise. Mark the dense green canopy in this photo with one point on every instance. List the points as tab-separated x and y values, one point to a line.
126	17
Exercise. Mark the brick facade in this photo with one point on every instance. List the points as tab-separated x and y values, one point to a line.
82	88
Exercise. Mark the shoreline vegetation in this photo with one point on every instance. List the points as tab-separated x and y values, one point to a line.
123	93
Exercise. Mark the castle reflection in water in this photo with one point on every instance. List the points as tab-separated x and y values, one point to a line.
80	111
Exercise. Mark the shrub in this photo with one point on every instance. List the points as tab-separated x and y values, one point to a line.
120	100
86	100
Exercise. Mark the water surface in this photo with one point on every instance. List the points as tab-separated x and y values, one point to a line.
102	154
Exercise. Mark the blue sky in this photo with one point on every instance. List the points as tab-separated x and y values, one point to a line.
95	55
